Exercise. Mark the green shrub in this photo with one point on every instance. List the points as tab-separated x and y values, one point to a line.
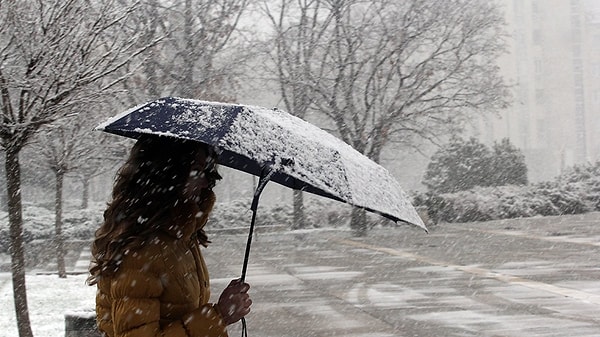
583	180
462	165
573	192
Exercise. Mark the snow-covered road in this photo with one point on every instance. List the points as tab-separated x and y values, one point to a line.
534	277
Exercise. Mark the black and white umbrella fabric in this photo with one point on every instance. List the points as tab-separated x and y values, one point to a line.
275	146
253	139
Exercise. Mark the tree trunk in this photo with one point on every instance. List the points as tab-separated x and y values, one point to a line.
299	218
150	65
3	202
17	253
358	222
188	53
85	197
58	239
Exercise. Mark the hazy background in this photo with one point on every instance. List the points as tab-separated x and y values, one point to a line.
552	64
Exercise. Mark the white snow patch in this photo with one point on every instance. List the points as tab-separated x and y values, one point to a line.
49	299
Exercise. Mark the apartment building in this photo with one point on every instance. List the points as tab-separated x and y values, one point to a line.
554	66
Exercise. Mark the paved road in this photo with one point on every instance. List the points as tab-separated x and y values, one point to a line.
531	277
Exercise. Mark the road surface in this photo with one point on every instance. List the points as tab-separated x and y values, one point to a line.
528	277
524	277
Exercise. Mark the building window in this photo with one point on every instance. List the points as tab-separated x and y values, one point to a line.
575	4
541	131
577	50
536	37
596	97
537	66
535	12
596	41
595	69
575	20
540	96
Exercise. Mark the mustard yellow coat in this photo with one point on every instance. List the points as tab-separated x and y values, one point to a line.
161	289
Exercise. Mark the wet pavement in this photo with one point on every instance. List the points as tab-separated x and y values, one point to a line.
528	277
523	277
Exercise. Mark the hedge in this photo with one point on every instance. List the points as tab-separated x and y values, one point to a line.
574	192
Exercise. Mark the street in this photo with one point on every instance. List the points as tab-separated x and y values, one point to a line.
527	277
521	277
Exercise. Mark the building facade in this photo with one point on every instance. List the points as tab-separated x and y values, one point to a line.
553	66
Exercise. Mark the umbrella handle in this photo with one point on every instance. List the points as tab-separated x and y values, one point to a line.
265	175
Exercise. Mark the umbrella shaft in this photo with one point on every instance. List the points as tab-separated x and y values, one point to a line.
248	244
265	176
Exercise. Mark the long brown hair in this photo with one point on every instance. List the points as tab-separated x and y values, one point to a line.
146	189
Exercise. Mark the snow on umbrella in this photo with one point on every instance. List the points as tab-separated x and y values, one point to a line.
277	147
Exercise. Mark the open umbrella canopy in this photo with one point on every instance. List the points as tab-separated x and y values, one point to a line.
253	139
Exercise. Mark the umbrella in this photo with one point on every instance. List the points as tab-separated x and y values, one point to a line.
275	146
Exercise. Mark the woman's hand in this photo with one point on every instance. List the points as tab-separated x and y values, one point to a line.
234	303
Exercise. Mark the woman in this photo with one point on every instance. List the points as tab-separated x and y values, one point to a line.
147	264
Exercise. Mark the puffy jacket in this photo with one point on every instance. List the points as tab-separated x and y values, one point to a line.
161	288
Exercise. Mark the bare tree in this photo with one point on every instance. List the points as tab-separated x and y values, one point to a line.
66	146
298	29
207	29
106	155
199	56
203	54
404	71
50	52
409	67
3	196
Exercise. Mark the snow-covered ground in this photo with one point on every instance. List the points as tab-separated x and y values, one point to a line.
49	299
